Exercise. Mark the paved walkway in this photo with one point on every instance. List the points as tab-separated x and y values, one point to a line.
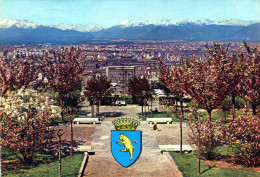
150	163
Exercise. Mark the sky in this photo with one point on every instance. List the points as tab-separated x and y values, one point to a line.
107	13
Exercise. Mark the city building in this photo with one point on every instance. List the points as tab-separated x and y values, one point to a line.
119	76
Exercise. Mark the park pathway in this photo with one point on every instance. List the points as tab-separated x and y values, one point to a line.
150	163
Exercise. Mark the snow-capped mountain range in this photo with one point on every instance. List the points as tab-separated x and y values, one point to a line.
167	22
80	28
23	31
7	23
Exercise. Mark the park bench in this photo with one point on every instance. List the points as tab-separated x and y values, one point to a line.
175	148
120	103
93	120
155	120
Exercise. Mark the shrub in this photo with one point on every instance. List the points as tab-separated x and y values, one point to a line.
244	134
210	136
239	103
27	136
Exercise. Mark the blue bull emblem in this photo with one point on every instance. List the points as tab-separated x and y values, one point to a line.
126	146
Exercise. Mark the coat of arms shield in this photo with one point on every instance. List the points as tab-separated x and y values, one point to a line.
126	143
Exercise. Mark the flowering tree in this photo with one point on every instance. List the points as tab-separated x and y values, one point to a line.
26	114
141	90
96	89
26	136
248	89
208	81
17	72
71	109
171	78
203	129
243	133
211	80
21	101
62	70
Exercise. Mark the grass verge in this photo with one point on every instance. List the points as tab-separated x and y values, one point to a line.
188	165
164	114
214	116
46	165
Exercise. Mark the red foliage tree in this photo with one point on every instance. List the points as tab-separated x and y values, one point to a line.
28	136
17	72
248	89
141	90
62	70
96	89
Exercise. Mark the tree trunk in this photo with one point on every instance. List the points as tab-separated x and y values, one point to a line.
254	108
148	111
92	109
97	109
59	156
198	152
71	137
181	124
142	110
152	108
246	107
211	136
209	115
61	114
233	106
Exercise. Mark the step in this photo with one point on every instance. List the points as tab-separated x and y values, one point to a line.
175	147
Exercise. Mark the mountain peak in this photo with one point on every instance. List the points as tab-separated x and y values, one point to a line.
81	28
200	30
167	22
7	23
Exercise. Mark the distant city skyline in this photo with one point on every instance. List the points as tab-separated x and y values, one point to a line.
107	13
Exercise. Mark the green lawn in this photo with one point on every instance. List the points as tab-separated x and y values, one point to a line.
163	114
47	167
188	165
214	115
58	120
